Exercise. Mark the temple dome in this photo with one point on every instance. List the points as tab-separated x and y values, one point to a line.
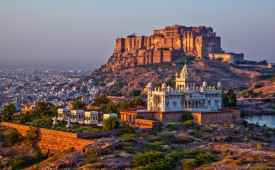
185	71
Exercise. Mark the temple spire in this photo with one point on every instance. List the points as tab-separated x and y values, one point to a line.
185	71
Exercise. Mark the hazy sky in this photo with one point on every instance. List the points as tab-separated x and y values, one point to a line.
84	31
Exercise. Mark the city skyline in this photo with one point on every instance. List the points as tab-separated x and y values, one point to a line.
84	32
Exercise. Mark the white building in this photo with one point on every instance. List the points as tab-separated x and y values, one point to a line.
63	114
106	116
186	96
78	116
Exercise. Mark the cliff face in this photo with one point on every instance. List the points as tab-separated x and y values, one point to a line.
163	46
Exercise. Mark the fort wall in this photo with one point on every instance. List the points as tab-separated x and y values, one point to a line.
53	141
222	116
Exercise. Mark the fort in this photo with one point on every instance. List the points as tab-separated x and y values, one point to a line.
167	44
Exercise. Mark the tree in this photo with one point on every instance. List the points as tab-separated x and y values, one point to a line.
230	98
134	92
111	107
100	100
24	118
132	103
187	116
33	136
110	123
8	111
78	105
42	109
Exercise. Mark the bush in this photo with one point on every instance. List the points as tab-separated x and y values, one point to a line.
153	160
11	138
21	161
173	127
110	123
91	155
126	128
196	133
38	156
189	164
128	136
187	116
33	136
183	138
134	92
188	124
205	158
8	111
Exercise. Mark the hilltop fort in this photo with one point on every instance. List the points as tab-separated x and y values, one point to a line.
165	45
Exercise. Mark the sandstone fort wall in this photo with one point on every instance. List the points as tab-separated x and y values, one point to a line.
53	141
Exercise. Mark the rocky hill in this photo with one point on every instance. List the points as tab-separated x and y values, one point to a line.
126	79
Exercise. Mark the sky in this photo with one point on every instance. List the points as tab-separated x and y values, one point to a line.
83	32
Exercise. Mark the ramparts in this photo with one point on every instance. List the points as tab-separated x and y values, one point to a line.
163	46
53	141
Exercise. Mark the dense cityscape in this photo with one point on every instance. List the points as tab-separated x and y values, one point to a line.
29	84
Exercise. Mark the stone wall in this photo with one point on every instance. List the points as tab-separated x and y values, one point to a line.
94	135
223	116
53	141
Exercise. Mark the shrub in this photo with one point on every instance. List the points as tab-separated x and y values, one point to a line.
128	136
189	164
38	156
21	161
91	155
195	132
173	127
110	123
33	136
188	124
183	138
126	128
206	158
153	160
155	147
187	116
11	138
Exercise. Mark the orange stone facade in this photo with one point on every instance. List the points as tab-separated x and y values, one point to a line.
194	41
232	115
164	46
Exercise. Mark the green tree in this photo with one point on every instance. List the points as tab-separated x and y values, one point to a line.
21	161
11	138
78	105
132	103
100	100
110	123
33	136
230	98
42	109
24	118
111	107
8	111
134	92
187	116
